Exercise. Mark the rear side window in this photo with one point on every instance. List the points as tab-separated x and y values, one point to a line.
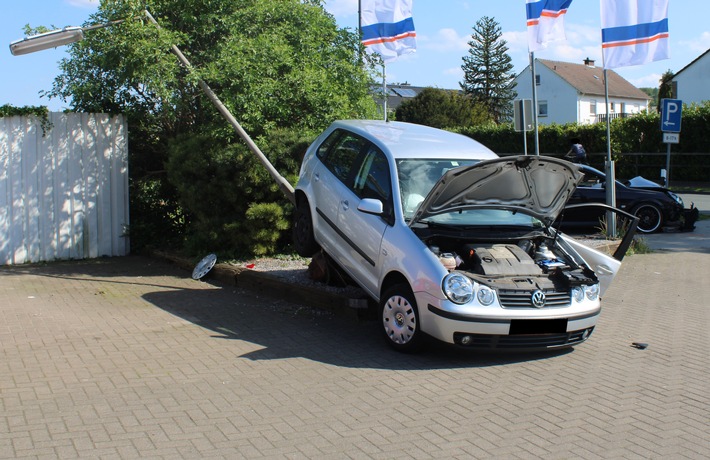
342	153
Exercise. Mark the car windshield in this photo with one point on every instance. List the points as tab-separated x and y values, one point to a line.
499	219
418	176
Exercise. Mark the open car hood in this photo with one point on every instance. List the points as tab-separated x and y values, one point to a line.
535	185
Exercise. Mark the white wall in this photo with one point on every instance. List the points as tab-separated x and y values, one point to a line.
693	83
560	96
63	195
564	103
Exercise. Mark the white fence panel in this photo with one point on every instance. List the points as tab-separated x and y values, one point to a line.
63	193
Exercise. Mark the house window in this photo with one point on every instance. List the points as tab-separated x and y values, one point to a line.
593	108
537	80
542	108
611	107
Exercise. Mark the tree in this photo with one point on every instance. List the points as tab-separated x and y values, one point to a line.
488	75
653	94
279	64
665	89
442	109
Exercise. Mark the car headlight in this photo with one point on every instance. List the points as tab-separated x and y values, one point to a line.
458	288
486	296
677	199
578	294
590	292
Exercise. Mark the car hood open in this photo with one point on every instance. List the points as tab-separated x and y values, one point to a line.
535	185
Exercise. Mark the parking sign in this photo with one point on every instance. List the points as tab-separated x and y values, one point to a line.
671	113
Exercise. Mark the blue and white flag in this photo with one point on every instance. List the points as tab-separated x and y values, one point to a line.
634	32
545	22
388	27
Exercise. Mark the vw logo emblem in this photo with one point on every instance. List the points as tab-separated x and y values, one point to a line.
538	299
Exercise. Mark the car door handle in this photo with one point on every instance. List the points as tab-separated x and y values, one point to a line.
345	204
316	177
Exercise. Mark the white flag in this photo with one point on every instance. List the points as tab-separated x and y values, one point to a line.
634	32
388	27
545	22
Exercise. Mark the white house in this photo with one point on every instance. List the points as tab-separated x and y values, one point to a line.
690	84
568	93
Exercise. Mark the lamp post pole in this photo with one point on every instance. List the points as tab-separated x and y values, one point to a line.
283	184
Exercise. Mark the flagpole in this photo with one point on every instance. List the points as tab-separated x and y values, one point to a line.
384	88
609	165
534	103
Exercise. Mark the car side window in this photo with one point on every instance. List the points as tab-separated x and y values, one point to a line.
342	155
373	178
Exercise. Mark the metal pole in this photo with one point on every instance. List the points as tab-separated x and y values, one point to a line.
525	126
609	167
283	184
384	88
359	29
534	102
668	166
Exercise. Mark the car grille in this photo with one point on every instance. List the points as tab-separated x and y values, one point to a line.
523	299
524	342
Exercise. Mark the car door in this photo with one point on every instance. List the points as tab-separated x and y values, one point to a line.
332	183
590	190
362	232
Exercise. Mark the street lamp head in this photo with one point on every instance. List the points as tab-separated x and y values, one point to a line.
51	39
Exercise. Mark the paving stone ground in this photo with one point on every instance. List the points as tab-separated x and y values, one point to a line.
130	358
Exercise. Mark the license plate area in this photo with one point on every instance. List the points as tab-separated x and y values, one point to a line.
538	326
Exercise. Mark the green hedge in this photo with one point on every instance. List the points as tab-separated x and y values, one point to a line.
636	143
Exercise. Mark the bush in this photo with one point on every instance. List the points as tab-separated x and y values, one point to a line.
234	206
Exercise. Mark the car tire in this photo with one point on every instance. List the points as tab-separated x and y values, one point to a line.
302	234
400	319
650	217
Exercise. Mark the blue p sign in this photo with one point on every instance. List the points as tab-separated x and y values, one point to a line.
671	113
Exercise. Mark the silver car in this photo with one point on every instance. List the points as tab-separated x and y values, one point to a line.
450	240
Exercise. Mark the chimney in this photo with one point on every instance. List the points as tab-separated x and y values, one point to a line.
589	62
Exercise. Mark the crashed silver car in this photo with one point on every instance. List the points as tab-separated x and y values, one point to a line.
450	240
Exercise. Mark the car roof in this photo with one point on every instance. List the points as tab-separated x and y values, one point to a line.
408	140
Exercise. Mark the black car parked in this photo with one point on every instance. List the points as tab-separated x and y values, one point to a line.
657	207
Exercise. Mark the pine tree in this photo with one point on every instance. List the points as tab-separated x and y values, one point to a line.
488	75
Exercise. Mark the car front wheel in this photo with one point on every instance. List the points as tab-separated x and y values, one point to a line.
650	218
400	319
303	240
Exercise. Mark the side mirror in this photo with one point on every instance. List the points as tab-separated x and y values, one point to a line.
371	206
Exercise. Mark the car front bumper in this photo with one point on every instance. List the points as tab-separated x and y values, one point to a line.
515	329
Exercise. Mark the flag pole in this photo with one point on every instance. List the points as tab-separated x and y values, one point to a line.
534	103
609	165
384	88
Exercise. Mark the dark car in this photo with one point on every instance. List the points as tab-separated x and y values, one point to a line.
657	207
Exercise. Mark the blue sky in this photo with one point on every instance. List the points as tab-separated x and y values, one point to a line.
443	30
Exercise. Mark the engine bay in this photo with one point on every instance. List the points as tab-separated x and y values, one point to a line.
539	262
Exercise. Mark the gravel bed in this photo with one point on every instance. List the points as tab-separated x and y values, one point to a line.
294	269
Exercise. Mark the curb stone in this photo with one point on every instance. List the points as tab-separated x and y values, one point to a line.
350	306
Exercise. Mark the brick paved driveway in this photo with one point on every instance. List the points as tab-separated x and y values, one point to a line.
129	358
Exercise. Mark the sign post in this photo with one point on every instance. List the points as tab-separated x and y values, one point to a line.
522	119
671	117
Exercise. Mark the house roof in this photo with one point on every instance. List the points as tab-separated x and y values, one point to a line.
396	93
691	63
588	79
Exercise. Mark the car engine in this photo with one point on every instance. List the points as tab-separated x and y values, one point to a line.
538	263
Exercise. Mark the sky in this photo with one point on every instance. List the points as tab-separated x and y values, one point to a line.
443	29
